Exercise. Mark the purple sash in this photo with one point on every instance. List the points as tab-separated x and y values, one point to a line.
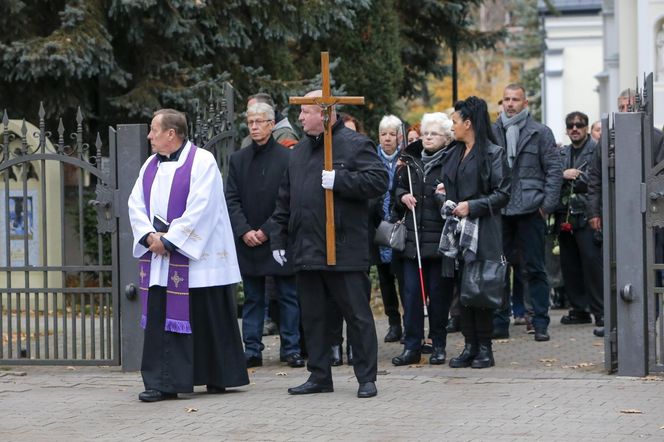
177	291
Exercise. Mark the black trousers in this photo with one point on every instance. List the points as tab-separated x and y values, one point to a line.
476	323
390	275
581	265
348	290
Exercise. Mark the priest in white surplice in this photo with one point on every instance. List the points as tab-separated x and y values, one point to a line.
187	265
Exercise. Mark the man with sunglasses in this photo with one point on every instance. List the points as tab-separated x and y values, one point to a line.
580	247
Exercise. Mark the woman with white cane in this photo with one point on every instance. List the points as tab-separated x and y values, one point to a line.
416	198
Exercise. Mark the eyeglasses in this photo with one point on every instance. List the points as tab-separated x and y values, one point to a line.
258	122
576	125
432	134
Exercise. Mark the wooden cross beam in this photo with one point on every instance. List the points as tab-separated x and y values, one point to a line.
327	102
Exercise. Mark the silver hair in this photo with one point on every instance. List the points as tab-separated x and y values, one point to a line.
261	108
390	122
440	119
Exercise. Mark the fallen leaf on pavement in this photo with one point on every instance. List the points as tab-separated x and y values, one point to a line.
662	427
415	366
191	410
282	373
548	360
653	378
598	344
580	365
631	411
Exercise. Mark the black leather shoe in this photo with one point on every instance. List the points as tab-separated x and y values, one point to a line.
294	360
484	358
465	359
407	357
393	333
349	355
213	389
576	318
599	332
254	361
367	389
541	336
336	359
310	387
438	356
454	324
156	396
500	333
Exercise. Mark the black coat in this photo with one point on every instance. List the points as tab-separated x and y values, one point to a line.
582	161
485	185
251	191
536	174
299	219
427	210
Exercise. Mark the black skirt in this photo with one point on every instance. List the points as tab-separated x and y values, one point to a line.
211	355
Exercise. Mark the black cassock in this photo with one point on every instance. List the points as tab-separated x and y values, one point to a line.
211	355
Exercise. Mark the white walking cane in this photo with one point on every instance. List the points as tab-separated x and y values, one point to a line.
417	246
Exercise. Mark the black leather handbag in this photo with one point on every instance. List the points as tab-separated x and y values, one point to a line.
391	235
483	283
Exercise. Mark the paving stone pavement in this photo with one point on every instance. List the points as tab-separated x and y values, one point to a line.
556	390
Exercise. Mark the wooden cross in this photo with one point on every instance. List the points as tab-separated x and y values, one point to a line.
327	102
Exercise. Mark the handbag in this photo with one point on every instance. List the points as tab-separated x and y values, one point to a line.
483	284
391	234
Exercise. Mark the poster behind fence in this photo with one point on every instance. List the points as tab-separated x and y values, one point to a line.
21	217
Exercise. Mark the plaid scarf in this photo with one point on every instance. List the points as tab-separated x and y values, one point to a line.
459	236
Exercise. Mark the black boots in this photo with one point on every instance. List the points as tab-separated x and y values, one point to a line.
437	356
474	355
394	333
407	357
484	358
465	359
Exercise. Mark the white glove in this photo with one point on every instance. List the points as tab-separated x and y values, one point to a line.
328	179
279	256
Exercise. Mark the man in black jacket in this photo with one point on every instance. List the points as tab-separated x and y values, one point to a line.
299	221
536	181
580	250
251	191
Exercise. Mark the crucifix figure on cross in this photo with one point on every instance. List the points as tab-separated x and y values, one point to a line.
327	102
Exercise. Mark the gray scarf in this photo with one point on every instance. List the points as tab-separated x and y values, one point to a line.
513	128
431	159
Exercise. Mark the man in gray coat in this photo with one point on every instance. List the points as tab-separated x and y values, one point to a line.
536	181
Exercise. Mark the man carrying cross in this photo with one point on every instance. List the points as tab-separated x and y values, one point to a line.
299	220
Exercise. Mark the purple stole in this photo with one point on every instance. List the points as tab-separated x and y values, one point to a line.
177	291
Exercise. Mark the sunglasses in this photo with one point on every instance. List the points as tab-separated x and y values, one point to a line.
576	125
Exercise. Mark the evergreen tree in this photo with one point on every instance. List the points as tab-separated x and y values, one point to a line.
119	60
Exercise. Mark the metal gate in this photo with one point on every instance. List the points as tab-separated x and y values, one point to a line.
633	215
58	246
212	128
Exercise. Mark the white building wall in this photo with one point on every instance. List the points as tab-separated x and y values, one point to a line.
573	59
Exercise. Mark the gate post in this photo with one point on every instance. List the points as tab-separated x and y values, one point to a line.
630	192
133	150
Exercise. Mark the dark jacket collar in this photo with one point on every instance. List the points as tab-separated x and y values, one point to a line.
318	140
262	147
